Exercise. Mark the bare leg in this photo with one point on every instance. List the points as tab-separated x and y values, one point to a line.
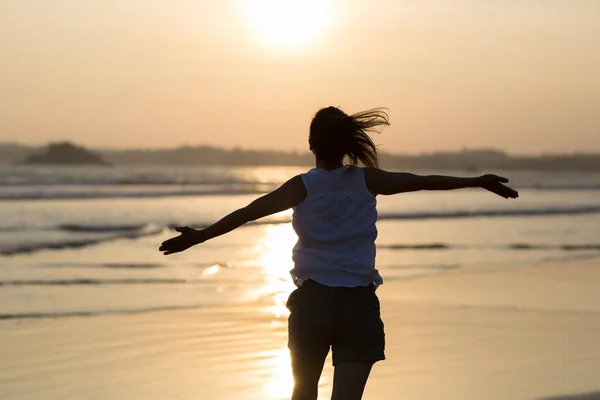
349	380
307	370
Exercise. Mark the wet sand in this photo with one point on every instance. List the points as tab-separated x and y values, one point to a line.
530	333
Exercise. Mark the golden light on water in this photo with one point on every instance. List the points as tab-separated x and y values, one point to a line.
213	269
274	254
281	382
289	24
274	251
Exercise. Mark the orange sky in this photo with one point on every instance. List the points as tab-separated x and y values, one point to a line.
522	75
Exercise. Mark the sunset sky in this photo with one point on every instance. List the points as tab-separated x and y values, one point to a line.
520	75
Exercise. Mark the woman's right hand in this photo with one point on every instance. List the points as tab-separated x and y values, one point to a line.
495	184
188	237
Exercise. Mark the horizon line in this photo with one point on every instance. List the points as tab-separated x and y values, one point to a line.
463	149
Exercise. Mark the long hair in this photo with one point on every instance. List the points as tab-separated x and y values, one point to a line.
335	134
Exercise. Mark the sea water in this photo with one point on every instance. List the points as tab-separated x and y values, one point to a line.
84	241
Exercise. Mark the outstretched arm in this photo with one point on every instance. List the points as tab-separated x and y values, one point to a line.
383	182
286	196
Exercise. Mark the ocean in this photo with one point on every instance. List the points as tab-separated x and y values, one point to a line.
84	241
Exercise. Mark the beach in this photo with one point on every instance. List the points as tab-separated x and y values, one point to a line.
527	333
482	298
445	153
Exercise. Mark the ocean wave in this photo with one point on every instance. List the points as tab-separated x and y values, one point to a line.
566	247
131	311
228	181
176	180
96	282
17	191
81	228
458	214
511	246
125	234
579	396
429	267
32	248
94	313
560	187
78	243
92	234
104	233
140	266
590	209
130	265
104	228
105	265
422	246
14	228
76	195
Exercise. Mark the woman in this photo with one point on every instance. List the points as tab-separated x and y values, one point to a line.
335	305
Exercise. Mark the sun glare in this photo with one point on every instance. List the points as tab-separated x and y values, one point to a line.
281	382
274	254
289	24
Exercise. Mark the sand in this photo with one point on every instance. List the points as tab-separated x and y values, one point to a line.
530	333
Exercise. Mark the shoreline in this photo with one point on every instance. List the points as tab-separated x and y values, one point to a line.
528	333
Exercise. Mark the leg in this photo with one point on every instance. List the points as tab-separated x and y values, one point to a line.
310	331
349	380
359	342
307	368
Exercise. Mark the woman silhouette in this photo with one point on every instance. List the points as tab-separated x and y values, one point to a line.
335	305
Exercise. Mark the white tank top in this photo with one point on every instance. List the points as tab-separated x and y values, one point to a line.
336	229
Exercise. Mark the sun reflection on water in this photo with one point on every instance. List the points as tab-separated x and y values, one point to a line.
281	380
274	254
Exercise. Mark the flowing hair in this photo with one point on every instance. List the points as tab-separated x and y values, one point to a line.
335	134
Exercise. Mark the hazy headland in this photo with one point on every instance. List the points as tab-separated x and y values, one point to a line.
466	159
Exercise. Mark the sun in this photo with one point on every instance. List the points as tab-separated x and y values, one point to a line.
289	24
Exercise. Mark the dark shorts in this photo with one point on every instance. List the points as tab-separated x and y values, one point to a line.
346	319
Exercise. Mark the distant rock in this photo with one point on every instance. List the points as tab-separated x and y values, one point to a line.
65	153
11	153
